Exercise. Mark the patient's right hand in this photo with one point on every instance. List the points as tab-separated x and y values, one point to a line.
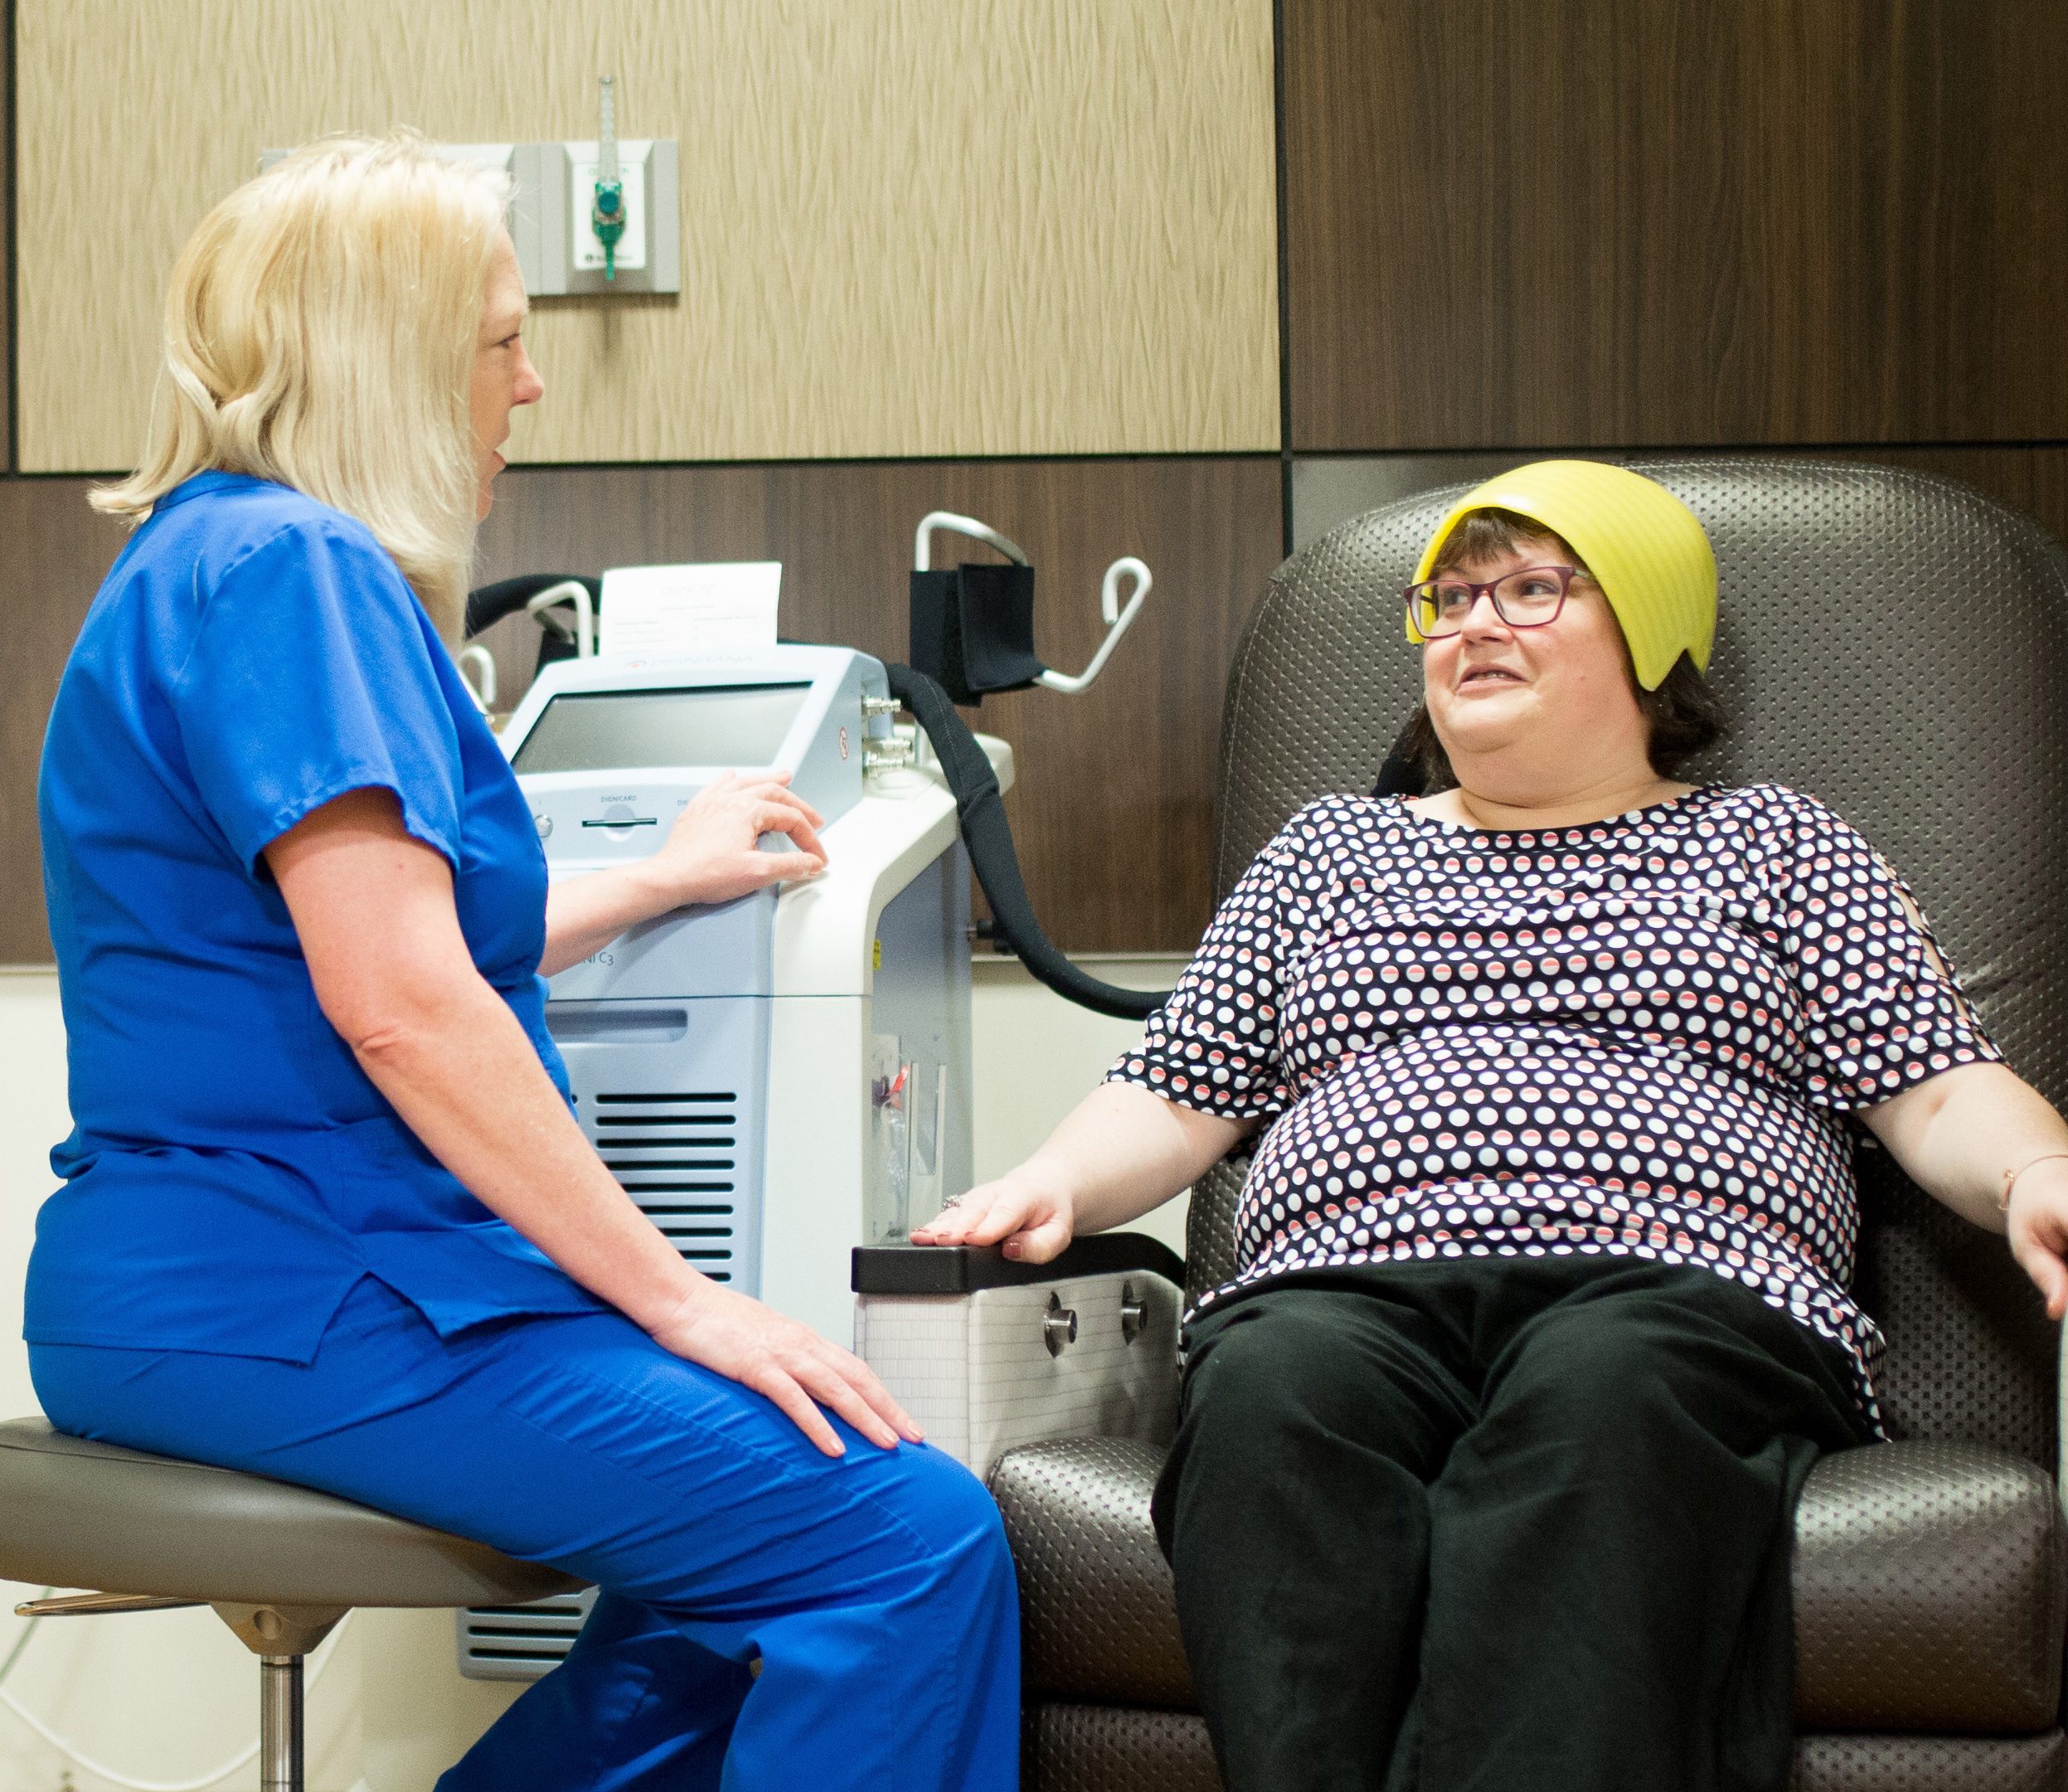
1030	1218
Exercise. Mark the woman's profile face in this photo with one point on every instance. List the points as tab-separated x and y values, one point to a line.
503	376
1491	686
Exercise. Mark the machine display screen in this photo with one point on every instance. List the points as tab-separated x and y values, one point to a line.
704	725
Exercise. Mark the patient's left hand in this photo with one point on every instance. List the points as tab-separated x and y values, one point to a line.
1030	1218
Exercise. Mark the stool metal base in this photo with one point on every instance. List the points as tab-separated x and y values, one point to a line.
280	1723
279	1635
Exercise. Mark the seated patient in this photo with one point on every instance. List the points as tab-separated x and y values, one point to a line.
1490	1450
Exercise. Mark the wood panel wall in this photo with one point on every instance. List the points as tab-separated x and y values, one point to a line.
909	228
1113	811
54	552
1517	228
1618	222
7	383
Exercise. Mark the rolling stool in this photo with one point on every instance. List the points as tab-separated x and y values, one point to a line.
280	1564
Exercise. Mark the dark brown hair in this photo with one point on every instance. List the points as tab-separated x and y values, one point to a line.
1684	714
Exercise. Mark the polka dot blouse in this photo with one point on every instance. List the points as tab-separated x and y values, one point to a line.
1640	1038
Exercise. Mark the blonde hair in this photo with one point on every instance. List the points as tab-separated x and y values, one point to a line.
320	331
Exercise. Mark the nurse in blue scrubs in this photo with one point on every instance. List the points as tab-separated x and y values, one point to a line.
326	1215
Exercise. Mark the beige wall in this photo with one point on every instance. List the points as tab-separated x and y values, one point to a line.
910	227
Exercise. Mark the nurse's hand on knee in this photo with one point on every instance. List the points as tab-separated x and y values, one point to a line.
1030	1219
712	854
791	1363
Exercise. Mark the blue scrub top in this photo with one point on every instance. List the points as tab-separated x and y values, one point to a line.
232	1172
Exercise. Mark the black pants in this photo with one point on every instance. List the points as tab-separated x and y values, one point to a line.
1492	1524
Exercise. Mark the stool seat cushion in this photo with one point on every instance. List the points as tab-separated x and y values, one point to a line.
80	1514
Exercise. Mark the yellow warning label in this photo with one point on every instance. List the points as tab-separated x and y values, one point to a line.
879	954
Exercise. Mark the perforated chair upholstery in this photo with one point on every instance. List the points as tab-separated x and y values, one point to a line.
1929	1585
1896	645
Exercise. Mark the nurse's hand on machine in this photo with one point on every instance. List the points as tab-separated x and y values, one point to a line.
712	854
788	1363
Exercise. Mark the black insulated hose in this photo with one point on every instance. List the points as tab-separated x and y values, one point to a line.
980	812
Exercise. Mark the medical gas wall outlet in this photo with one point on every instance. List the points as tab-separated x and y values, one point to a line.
555	218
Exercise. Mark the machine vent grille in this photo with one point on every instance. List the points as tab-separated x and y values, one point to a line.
520	1642
675	1152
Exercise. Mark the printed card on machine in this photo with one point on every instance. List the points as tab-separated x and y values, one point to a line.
659	609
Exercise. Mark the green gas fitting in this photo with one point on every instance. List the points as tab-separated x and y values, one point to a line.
606	216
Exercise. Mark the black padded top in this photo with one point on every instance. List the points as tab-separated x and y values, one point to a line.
1896	645
89	1515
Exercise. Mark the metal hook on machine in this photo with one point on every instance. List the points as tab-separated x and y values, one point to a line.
478	672
582	631
1117	622
923	541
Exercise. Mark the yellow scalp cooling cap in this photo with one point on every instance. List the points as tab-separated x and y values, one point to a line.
1645	547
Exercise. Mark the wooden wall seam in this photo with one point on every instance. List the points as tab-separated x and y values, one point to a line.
1284	360
1329	489
10	297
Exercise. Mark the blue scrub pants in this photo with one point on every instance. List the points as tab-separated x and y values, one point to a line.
874	1588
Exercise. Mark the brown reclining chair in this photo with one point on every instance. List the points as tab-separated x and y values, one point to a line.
1897	645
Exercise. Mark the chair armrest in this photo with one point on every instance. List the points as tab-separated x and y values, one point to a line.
989	1355
964	1269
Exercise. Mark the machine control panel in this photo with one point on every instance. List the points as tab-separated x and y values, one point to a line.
610	750
719	707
